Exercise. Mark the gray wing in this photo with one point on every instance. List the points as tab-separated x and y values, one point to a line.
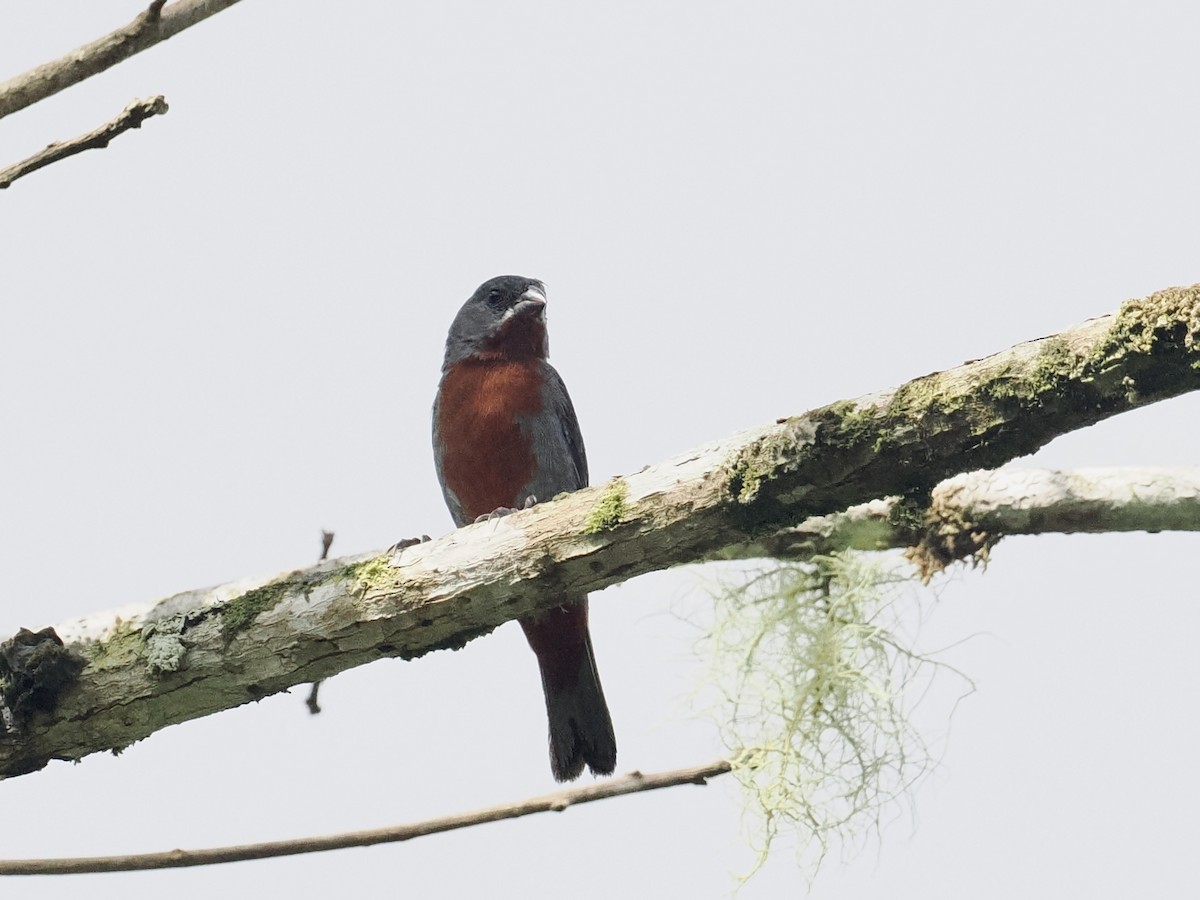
557	442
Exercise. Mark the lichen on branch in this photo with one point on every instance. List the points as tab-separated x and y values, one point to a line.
816	680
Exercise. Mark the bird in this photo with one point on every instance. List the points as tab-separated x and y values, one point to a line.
505	435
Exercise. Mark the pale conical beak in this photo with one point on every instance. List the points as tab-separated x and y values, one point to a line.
532	302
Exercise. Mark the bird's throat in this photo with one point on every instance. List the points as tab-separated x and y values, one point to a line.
521	337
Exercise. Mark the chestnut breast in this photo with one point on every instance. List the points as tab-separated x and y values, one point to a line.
484	455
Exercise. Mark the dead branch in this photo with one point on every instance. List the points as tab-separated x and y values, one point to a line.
633	783
137	112
152	26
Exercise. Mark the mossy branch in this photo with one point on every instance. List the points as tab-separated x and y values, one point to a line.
204	651
966	515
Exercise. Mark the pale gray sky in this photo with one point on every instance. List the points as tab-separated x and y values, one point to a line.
223	333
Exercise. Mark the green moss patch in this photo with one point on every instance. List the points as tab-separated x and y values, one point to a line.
609	510
240	612
369	573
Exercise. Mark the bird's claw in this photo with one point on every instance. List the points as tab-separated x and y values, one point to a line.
502	511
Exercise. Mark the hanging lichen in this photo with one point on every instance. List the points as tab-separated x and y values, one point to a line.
817	681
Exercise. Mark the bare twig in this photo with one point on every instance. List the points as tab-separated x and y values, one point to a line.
153	25
132	116
313	704
633	783
314	707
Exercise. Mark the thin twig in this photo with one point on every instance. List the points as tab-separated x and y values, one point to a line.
633	783
152	25
137	112
312	702
314	706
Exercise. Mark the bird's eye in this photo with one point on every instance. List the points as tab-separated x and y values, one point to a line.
495	300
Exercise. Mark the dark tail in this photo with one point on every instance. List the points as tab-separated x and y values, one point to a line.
581	731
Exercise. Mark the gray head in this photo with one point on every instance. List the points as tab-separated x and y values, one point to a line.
504	318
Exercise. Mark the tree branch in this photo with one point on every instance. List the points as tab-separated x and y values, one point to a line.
153	25
207	650
633	783
313	703
968	514
137	112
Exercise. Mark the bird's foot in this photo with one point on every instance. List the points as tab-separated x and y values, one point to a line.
501	511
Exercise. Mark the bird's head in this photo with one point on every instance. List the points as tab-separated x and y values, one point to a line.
504	318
